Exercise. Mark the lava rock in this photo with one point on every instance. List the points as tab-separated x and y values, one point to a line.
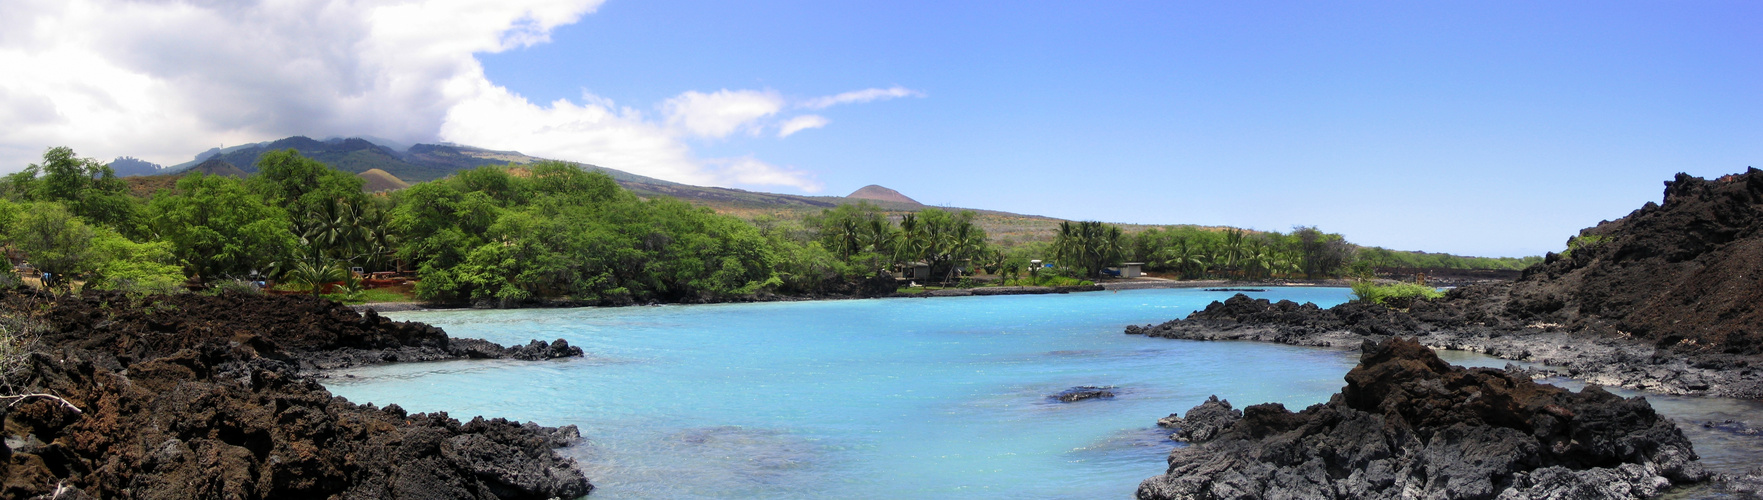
1084	392
1746	485
1410	425
1203	422
536	350
196	396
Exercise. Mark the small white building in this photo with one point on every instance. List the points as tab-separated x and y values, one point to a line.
1127	270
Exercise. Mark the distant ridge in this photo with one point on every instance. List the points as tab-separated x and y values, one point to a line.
127	166
427	162
376	180
878	193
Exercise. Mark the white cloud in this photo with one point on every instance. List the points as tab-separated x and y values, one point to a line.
719	114
164	79
857	96
801	123
750	171
593	132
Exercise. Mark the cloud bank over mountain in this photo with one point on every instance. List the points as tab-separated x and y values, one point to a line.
163	79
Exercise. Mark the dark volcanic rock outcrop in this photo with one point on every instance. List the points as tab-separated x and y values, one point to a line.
1686	274
1202	422
312	332
192	396
1408	425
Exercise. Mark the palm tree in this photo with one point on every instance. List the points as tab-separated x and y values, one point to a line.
1256	260
879	238
1233	251
1184	257
1111	247
1012	268
847	239
378	243
964	242
337	230
910	245
314	275
1088	245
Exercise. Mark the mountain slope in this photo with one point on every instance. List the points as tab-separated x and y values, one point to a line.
126	166
350	155
878	193
376	180
218	166
426	162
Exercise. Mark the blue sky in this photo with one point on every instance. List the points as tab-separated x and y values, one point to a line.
1486	128
1474	127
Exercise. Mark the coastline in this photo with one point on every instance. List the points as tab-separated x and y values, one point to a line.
1112	285
559	304
1598	360
1604	360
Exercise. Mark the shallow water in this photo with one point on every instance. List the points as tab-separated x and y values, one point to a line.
886	398
1723	446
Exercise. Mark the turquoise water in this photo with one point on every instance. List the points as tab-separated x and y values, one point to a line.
886	398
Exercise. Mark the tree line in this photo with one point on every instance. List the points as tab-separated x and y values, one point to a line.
503	234
1196	252
550	230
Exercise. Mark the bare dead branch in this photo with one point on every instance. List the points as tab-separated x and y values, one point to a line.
19	398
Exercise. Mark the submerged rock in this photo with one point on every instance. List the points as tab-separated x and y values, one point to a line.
1747	485
1733	427
1409	425
1084	392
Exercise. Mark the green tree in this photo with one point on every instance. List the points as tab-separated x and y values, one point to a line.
53	239
219	228
1321	254
879	238
1185	258
301	185
1087	246
556	230
87	188
1230	254
1011	268
143	268
965	242
314	275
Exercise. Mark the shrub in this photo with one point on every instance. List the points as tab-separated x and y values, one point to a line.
1394	294
1580	242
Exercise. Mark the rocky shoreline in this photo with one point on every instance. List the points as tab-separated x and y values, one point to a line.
197	396
1409	425
1666	299
1605	360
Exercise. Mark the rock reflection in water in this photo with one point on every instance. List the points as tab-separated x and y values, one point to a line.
709	462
